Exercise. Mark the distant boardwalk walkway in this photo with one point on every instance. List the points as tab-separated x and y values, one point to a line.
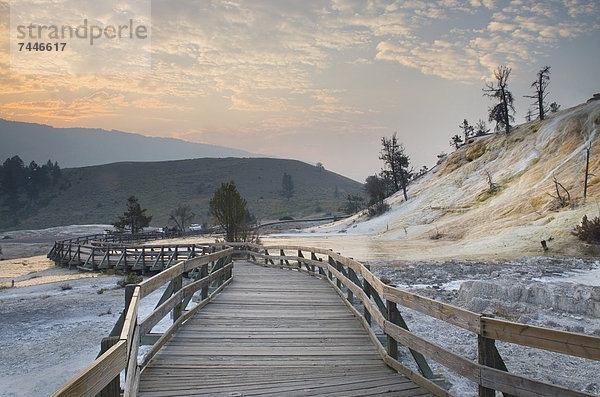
273	332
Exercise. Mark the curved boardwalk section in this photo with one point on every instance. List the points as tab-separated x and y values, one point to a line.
273	332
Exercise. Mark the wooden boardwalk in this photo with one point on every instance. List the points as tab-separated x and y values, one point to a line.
273	332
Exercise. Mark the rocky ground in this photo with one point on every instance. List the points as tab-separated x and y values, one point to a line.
52	331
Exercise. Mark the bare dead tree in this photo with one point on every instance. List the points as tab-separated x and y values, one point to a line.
561	200
587	172
492	186
540	85
501	112
181	216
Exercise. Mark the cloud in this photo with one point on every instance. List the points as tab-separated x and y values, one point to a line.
269	65
440	58
97	104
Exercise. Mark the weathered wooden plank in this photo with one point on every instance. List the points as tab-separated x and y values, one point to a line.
153	283
522	386
487	377
443	311
250	329
542	338
113	388
91	380
169	333
451	360
132	378
131	318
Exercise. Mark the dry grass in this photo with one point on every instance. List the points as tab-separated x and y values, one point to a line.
13	268
51	279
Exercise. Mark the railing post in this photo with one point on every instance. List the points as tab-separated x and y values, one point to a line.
393	316
332	263
125	259
489	355
314	258
116	331
177	284
485	350
321	271
367	289
143	261
70	254
204	273
352	276
113	389
338	267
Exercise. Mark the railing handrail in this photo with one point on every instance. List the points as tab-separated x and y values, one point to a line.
341	272
123	354
488	372
91	255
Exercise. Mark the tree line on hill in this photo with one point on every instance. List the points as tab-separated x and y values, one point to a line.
503	111
21	184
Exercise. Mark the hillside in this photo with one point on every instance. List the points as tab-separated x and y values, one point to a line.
451	214
98	194
79	147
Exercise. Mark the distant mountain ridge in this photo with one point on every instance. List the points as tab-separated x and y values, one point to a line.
80	147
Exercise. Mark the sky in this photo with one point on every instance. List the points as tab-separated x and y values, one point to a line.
317	81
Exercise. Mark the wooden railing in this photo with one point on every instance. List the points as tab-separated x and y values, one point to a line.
210	272
85	251
94	256
353	280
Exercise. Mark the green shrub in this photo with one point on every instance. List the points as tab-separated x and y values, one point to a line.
131	278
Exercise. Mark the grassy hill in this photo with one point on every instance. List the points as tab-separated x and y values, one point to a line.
98	194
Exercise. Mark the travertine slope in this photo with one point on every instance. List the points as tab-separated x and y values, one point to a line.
451	211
